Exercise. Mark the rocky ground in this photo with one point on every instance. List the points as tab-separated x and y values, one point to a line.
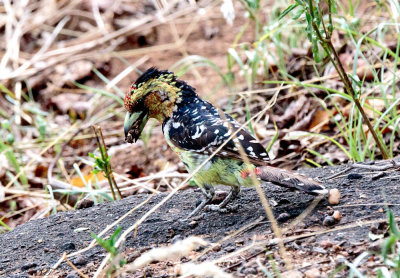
316	246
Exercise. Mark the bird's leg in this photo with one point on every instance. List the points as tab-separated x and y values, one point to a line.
208	192
231	196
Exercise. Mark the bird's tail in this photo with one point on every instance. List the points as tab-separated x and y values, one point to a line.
289	179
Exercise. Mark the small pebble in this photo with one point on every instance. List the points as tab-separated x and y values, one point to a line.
283	217
28	266
183	260
337	215
217	247
68	246
241	269
272	203
328	221
354	176
319	250
229	248
250	270
340	259
239	242
380	210
379	228
336	248
80	260
85	203
326	244
313	273
292	274
334	196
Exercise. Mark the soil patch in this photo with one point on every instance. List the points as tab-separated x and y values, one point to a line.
32	248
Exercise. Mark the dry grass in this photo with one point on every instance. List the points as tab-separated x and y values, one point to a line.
65	66
47	47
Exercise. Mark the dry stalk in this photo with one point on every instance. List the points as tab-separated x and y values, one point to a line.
230	236
260	192
327	44
94	242
74	267
273	242
169	196
175	251
59	138
83	47
105	158
50	180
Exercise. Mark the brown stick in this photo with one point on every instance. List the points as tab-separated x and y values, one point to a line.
330	49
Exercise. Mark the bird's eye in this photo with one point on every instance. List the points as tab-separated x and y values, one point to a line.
139	105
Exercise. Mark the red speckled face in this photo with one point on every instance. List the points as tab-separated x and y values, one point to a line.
129	100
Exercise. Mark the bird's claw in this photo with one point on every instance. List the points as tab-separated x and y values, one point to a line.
215	208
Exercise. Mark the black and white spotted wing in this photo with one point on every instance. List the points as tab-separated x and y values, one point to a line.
197	126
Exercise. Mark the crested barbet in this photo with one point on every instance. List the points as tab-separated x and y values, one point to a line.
195	129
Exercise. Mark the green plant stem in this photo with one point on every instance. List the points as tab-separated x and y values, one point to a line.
330	27
330	49
107	171
109	164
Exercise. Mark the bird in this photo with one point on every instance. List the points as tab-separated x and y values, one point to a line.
196	130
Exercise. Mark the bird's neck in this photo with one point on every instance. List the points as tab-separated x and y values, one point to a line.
160	107
163	104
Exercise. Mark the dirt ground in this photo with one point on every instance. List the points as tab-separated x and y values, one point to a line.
33	248
314	247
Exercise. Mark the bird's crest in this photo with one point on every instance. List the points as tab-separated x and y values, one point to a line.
158	91
151	80
152	73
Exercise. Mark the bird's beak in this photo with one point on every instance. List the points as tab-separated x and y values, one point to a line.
134	124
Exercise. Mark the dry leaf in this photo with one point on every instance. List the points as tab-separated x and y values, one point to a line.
320	121
364	70
376	104
77	181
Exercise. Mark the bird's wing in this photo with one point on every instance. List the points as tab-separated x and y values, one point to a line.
201	129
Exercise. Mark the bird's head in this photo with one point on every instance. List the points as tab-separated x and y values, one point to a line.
154	95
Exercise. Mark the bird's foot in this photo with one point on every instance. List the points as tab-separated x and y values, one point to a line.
215	208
